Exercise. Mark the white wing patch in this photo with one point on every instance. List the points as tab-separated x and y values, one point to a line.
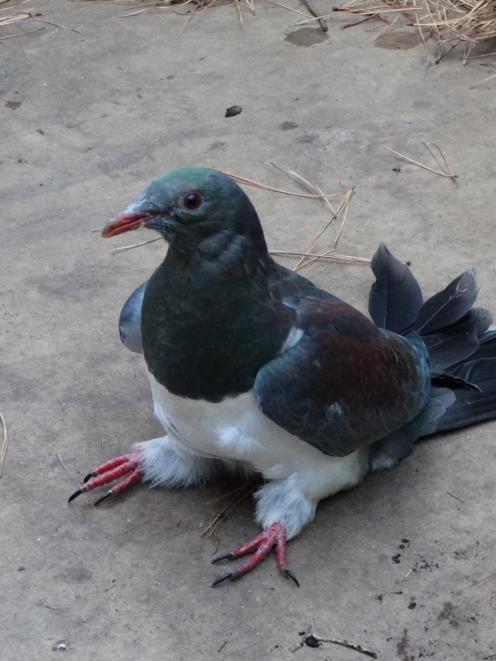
294	336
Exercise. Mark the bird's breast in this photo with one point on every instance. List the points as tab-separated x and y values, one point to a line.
234	429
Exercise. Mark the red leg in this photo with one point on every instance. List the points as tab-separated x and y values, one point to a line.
126	466
260	546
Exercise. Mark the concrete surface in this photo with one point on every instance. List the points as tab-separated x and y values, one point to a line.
106	104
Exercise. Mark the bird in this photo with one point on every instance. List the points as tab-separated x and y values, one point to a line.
254	369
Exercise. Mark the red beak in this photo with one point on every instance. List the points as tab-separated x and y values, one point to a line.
124	222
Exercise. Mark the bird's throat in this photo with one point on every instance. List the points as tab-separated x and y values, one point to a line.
209	322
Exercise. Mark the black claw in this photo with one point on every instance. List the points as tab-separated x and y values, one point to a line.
219	579
88	477
289	574
75	495
219	558
107	495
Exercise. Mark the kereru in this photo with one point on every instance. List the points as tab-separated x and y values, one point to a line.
253	367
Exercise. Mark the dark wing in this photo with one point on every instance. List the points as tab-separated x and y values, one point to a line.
345	383
292	288
130	320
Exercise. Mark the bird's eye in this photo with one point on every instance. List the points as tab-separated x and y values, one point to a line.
192	201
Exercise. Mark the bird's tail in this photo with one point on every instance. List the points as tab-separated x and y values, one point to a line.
459	337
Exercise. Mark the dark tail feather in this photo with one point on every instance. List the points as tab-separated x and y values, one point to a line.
487	346
446	380
469	408
452	330
462	348
448	306
473	384
481	371
459	341
395	297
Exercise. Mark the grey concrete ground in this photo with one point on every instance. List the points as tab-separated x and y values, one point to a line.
90	113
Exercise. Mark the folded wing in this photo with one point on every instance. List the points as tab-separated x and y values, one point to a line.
345	383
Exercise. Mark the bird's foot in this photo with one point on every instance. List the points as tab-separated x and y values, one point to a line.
126	466
260	546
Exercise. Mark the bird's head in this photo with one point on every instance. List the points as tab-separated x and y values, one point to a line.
191	204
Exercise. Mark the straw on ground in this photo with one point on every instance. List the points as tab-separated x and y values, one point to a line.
438	156
449	22
5	443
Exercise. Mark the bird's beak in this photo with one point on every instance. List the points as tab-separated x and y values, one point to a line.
126	221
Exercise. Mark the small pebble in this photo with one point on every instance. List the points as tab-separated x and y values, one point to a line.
311	641
232	111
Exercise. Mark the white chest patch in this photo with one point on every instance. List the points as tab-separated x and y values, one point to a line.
235	429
